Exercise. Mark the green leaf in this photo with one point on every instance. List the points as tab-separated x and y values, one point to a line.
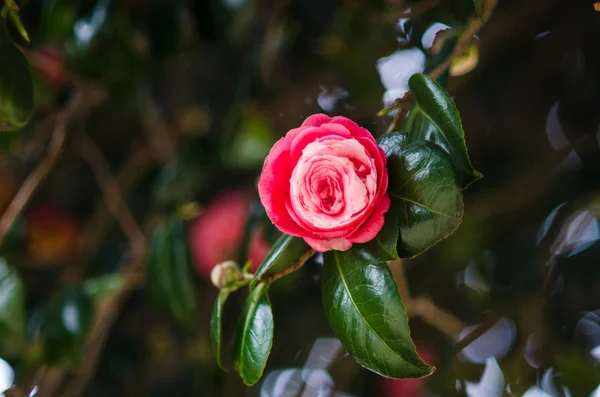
102	286
216	326
16	87
392	143
383	247
16	20
366	313
434	118
254	336
424	189
286	250
13	318
66	323
170	279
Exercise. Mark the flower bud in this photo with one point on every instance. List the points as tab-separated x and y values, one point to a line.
225	273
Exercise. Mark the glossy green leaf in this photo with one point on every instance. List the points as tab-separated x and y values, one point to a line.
16	87
424	190
170	280
283	254
392	143
13	318
105	285
434	118
66	323
254	336
216	326
366	313
383	247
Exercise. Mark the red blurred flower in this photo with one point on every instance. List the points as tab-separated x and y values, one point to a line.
52	63
51	234
216	235
409	387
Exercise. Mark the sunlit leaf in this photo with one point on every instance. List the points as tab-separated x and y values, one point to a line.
254	336
366	313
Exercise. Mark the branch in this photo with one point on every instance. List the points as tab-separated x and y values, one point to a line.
111	192
461	46
295	266
106	314
465	39
79	102
423	306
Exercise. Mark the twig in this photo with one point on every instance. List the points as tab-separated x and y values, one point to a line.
397	269
428	311
461	46
111	192
104	317
79	101
476	333
160	138
423	306
99	224
295	266
465	39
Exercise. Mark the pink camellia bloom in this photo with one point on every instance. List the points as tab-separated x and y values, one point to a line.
216	235
409	387
326	181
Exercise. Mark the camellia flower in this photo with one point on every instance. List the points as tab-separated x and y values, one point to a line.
326	181
216	235
51	234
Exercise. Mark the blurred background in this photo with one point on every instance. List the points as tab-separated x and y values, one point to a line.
147	110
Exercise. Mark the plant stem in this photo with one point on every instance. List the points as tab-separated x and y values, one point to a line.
295	266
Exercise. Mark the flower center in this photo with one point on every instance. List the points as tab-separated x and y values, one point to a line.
333	183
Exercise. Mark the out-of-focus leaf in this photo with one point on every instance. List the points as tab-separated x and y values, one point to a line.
383	247
252	143
58	18
434	118
466	62
425	192
13	318
284	253
66	323
177	183
16	20
366	313
254	336
216	326
14	237
170	281
16	87
102	286
100	47
165	28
